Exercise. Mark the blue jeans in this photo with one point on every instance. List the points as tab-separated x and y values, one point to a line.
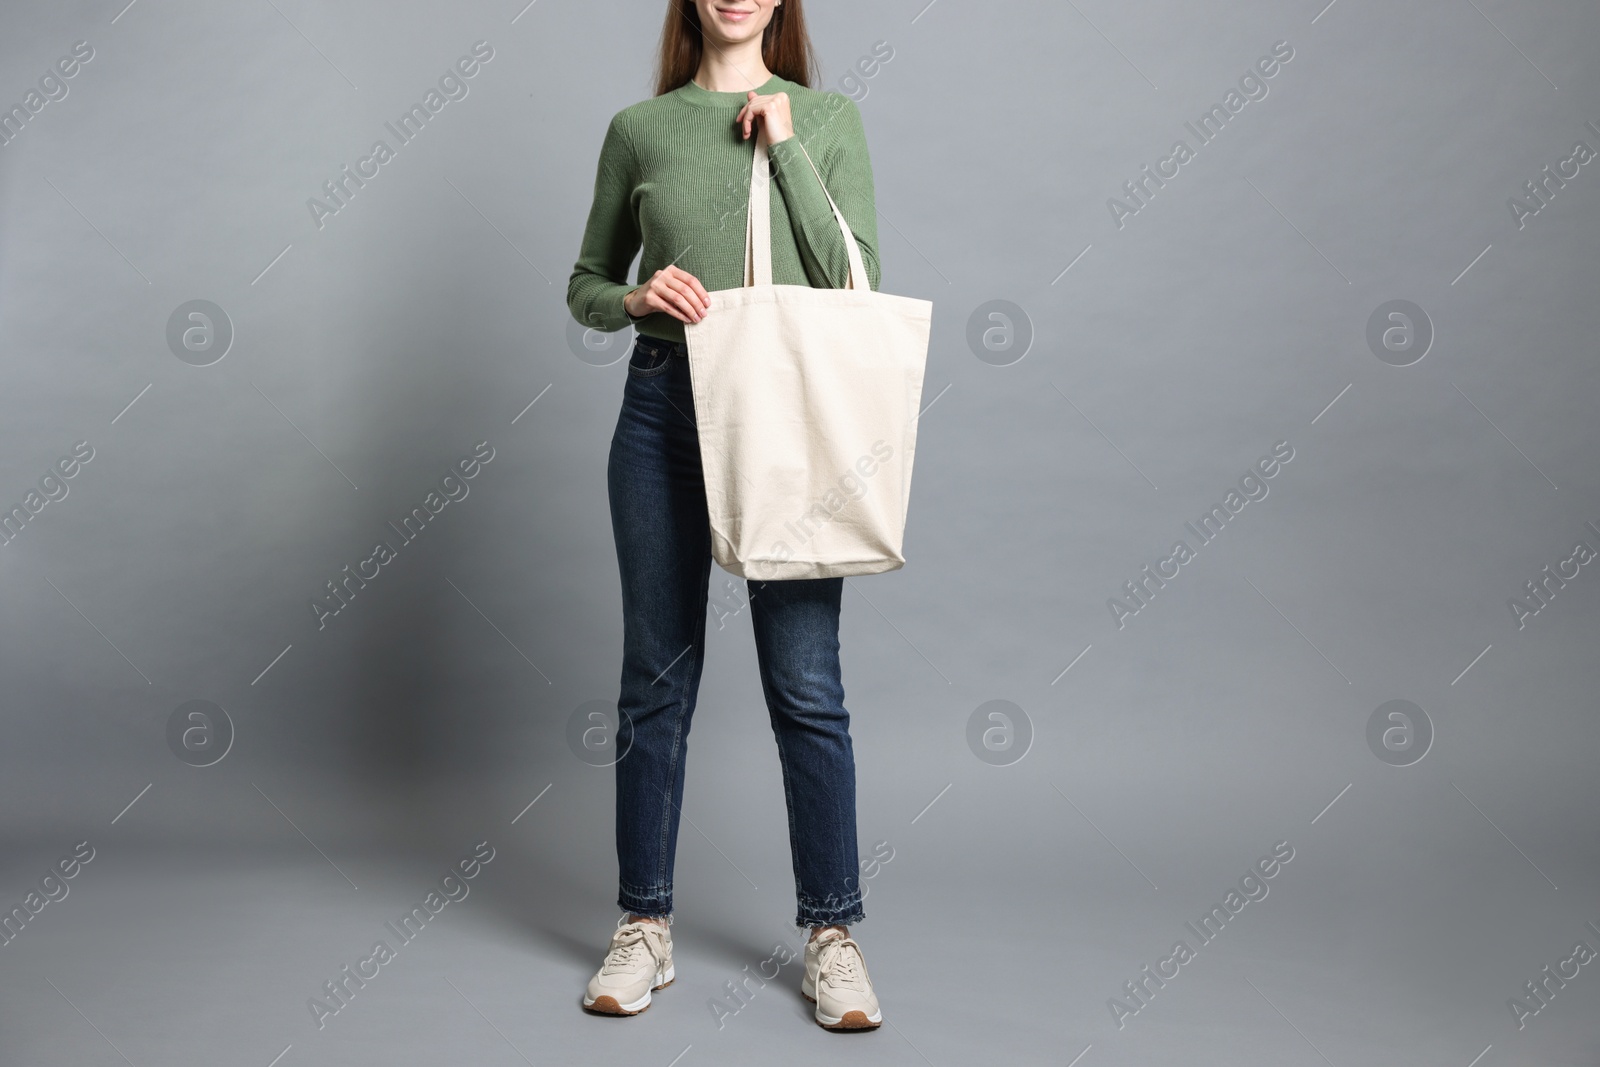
658	517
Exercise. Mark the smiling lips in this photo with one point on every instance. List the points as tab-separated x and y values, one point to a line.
733	15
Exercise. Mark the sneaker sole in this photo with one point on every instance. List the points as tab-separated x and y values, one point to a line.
607	1005
850	1020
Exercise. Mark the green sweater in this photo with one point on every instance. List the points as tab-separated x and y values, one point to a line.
674	179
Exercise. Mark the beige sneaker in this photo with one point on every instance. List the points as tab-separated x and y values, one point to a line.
638	960
836	980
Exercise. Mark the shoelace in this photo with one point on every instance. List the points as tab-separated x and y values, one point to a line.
627	944
841	963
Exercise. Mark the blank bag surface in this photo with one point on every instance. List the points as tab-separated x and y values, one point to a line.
806	405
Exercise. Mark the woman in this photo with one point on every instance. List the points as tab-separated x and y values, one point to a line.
673	180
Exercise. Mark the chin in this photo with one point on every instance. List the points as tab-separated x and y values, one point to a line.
739	35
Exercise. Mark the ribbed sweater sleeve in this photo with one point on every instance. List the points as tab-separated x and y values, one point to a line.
847	170
611	237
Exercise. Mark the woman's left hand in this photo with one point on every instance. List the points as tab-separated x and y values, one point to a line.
773	113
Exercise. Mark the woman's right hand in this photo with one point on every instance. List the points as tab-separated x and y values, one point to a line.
670	289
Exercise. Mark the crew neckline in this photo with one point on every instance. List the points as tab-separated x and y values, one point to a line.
696	94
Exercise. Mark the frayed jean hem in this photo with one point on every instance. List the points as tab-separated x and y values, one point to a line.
813	912
640	900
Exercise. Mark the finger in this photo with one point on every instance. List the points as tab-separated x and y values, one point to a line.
663	304
687	289
685	283
705	297
678	293
689	312
673	283
692	285
692	299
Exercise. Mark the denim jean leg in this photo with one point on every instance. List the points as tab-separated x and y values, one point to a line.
796	627
658	513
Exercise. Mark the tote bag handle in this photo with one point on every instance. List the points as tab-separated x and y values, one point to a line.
758	222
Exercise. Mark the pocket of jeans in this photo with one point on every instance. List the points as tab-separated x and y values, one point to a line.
648	361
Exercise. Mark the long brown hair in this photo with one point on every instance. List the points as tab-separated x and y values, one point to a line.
785	46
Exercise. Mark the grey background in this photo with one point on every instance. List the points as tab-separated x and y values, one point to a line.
1229	714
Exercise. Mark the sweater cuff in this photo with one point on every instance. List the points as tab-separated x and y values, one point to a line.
608	307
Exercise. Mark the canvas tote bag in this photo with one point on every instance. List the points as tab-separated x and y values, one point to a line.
806	404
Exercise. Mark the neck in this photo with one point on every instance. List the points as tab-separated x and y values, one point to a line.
736	68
